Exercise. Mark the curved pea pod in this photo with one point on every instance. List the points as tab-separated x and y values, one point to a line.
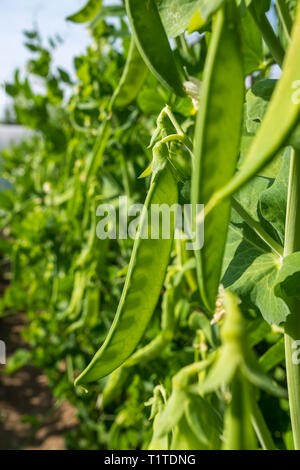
132	80
87	13
146	272
153	43
281	118
217	142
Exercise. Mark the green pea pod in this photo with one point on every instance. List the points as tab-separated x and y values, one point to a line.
146	272
217	141
114	386
95	160
184	438
132	80
238	431
282	117
87	13
153	43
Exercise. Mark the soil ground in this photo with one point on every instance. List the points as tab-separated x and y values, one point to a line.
29	416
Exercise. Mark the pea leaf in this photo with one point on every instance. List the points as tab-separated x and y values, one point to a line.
87	13
209	7
19	359
257	99
273	200
254	275
288	279
176	14
132	80
252	44
250	269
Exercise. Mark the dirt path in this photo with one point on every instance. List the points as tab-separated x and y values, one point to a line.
29	416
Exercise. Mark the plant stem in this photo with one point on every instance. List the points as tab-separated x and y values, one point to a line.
260	427
285	17
173	120
179	138
292	326
269	36
257	228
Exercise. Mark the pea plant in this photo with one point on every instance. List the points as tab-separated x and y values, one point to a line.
197	349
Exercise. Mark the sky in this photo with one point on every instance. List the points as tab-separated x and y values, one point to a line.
49	16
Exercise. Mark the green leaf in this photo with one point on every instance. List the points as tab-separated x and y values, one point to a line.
257	100
252	44
87	13
288	278
209	7
18	360
272	202
132	80
251	272
150	101
176	14
248	195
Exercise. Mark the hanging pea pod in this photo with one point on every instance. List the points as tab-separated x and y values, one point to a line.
238	430
87	13
237	367
235	355
96	156
157	406
80	283
281	118
153	43
217	141
144	280
171	308
194	423
132	80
